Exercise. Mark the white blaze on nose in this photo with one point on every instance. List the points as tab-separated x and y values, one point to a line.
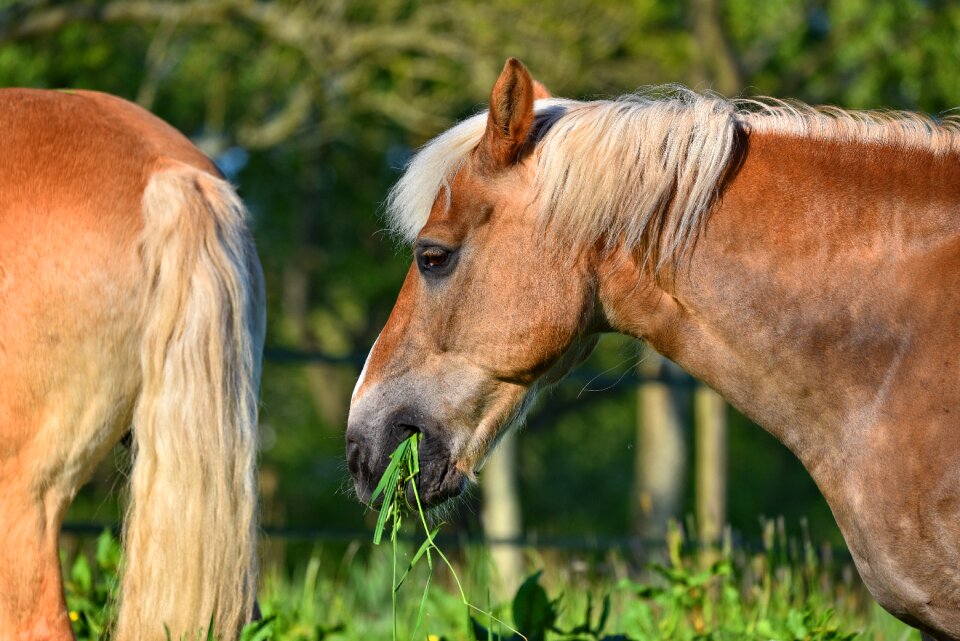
363	372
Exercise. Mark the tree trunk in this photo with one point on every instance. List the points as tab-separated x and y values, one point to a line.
718	62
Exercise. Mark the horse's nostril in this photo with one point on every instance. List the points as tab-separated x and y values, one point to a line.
354	456
407	430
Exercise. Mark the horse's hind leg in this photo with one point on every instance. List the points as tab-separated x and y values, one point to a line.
31	594
65	399
47	450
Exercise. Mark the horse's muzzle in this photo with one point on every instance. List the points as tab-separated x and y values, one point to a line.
368	454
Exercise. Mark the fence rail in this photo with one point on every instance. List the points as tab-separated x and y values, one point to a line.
671	376
580	543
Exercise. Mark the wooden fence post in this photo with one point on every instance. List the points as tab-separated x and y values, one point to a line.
501	515
710	412
660	464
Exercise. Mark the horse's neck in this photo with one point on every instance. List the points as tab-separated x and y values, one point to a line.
800	303
822	301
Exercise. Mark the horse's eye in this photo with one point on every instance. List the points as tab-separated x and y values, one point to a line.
434	257
434	260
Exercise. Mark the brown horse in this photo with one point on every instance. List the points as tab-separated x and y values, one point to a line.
801	261
130	294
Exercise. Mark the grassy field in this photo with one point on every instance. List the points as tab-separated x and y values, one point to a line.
783	590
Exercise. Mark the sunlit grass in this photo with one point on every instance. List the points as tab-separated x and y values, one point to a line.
783	591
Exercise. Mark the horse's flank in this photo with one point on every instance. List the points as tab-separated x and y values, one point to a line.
129	292
644	170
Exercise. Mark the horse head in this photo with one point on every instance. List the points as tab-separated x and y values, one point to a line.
487	314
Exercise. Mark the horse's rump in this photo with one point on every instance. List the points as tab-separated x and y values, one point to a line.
129	291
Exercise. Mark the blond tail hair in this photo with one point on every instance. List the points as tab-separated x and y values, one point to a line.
191	526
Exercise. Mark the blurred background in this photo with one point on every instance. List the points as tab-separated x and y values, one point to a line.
312	109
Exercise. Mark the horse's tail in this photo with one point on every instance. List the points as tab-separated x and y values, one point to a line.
190	529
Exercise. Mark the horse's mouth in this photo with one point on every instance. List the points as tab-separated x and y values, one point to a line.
436	483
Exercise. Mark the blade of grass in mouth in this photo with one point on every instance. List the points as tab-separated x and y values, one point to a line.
404	466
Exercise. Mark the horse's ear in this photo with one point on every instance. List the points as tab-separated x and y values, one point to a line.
540	92
510	117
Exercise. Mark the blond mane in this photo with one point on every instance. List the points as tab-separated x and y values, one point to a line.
645	168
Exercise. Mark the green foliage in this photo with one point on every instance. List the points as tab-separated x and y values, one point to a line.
536	614
91	585
707	604
533	611
708	595
781	592
856	53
